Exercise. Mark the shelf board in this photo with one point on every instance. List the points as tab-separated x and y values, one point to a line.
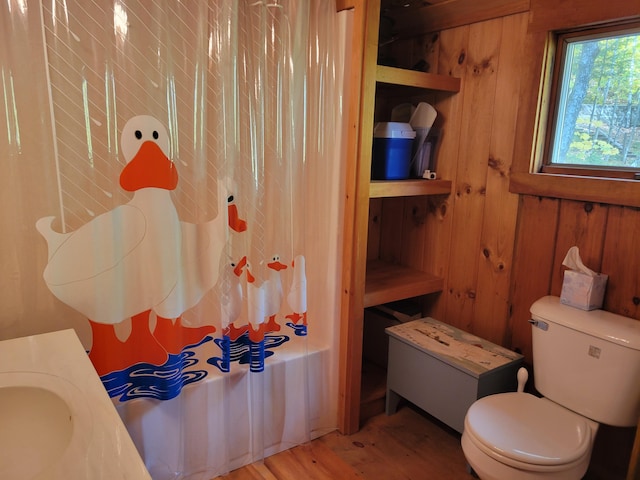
388	282
411	78
408	188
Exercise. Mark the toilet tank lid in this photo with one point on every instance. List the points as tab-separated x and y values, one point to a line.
608	326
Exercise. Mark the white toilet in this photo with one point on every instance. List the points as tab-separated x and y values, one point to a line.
587	365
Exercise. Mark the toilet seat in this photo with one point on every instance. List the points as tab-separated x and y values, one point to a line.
527	432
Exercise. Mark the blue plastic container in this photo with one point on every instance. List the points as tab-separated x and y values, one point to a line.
392	142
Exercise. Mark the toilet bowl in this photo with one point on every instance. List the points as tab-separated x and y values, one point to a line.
519	436
586	366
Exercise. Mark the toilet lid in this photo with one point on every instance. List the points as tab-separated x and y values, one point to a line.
529	429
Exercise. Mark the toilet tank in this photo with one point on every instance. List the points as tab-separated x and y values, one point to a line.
587	361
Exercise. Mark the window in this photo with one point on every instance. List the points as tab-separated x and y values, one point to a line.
595	104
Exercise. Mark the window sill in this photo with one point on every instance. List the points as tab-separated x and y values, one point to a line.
589	189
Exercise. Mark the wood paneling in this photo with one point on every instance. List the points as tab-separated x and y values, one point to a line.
391	238
452	60
375	216
621	261
436	16
532	267
479	80
553	14
498	227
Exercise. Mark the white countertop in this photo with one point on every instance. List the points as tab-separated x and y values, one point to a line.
100	446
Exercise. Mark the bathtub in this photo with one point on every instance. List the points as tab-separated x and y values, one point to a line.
211	428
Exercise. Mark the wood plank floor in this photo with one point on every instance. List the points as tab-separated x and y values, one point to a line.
409	445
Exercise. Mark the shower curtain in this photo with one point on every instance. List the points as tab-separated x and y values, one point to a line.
173	194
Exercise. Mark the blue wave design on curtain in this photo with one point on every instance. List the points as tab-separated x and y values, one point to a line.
244	351
144	380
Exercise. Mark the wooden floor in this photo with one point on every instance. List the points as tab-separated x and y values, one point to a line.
408	445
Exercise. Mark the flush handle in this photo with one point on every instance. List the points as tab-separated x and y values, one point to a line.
540	324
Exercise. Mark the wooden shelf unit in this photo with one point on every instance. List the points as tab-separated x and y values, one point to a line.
408	188
411	78
373	282
387	282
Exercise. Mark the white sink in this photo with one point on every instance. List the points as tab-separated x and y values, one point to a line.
37	424
47	429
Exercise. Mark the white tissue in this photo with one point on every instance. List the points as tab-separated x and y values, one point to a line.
573	261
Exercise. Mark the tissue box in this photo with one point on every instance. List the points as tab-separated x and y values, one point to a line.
583	291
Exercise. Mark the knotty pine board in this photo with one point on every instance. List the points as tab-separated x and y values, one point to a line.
470	192
501	207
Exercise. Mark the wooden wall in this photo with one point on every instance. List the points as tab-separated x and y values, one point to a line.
499	251
467	237
607	236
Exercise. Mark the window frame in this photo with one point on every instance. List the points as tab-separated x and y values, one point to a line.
545	18
561	42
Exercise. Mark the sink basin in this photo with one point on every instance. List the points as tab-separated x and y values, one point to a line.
37	425
47	429
42	416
